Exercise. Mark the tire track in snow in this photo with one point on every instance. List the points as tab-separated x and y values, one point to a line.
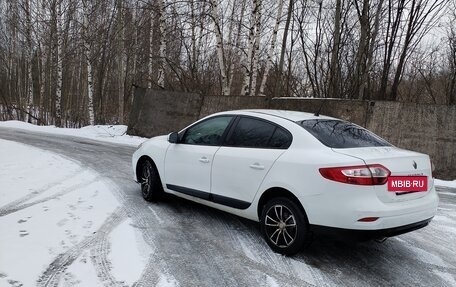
194	240
248	249
36	193
52	275
155	267
64	191
99	257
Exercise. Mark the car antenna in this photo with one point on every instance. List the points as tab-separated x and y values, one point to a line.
317	113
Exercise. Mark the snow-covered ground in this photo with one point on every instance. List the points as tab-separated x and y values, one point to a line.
63	224
108	133
51	209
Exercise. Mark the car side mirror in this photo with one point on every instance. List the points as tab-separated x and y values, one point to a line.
173	137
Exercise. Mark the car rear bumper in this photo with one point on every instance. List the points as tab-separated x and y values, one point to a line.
348	212
364	235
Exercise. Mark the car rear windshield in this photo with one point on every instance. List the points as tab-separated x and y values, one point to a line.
341	134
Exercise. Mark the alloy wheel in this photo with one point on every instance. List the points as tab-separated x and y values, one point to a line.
280	226
146	178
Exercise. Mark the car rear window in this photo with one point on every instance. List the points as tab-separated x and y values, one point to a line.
341	134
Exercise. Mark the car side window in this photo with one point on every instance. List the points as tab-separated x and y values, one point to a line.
255	133
280	139
208	132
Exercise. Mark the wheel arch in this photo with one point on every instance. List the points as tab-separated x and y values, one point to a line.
275	192
139	163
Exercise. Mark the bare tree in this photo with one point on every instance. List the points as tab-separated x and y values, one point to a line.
162	48
269	59
220	47
251	64
334	66
421	18
57	13
90	109
278	89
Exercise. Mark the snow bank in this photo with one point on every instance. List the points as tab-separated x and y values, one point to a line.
445	183
108	133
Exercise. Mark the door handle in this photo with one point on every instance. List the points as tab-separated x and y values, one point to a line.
204	159
257	166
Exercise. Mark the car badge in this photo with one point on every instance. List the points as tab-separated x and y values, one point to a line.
415	165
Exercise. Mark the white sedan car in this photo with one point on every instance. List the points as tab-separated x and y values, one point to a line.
296	173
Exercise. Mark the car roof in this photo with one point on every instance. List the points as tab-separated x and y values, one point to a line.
285	114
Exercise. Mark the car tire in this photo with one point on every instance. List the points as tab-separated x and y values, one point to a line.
151	187
284	226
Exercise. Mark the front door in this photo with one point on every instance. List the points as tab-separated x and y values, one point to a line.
188	163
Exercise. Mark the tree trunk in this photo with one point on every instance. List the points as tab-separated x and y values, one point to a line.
248	69
278	87
162	48
220	48
121	61
390	43
334	74
150	70
256	52
29	61
90	108
363	49
365	81
269	62
59	47
237	43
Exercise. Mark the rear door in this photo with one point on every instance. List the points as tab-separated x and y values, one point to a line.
245	158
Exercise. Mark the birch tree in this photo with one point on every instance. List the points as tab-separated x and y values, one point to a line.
29	59
256	47
59	46
254	30
121	60
90	108
162	48
220	47
150	63
451	57
269	59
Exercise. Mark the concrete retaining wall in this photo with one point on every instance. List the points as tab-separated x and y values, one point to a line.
429	129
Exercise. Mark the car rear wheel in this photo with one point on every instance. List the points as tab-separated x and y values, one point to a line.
284	226
151	187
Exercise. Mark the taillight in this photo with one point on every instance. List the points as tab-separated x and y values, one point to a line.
373	174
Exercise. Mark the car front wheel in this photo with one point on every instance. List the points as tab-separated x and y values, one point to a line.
151	187
284	226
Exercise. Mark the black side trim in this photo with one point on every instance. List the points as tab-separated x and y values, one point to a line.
189	191
364	235
220	199
231	202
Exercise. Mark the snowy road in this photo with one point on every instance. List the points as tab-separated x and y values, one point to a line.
191	245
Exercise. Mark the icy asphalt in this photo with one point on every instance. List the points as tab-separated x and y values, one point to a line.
199	246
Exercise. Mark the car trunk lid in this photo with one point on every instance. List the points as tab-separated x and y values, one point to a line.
400	162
